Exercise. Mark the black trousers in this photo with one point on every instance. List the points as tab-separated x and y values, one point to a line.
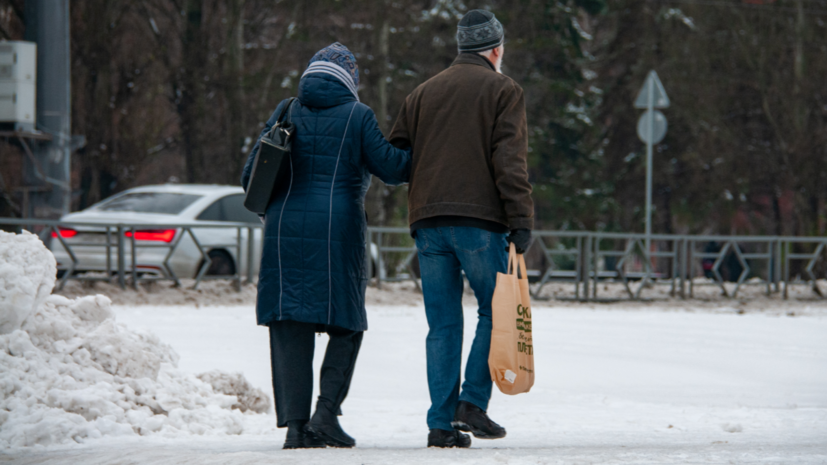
291	356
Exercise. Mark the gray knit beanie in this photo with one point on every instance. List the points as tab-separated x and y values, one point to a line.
479	31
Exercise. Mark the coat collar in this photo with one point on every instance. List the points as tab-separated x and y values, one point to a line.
323	91
469	58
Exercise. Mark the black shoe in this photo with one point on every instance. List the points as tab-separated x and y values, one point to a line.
453	438
473	419
298	438
325	426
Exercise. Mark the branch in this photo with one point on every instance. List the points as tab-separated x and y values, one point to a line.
18	10
269	79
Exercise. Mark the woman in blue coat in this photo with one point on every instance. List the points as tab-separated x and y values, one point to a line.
313	274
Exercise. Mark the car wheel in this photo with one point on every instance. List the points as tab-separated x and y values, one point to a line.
221	264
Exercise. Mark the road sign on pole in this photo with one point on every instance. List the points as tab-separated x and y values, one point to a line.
651	128
652	94
659	127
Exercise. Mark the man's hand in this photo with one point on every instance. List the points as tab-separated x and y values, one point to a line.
262	219
521	238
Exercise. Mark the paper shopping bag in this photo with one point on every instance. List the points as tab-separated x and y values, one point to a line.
511	359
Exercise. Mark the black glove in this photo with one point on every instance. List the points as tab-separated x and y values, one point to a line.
521	238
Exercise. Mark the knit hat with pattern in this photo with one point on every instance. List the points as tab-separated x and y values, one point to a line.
479	31
337	61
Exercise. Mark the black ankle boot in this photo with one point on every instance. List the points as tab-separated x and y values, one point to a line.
325	426
297	437
468	417
446	439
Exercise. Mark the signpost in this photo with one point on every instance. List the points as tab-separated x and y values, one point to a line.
651	128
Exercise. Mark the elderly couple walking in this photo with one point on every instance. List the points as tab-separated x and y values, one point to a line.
460	140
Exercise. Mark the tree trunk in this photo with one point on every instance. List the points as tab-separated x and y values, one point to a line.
385	194
236	121
190	106
776	213
382	109
798	65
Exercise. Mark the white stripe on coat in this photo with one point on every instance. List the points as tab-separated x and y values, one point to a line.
330	222
278	240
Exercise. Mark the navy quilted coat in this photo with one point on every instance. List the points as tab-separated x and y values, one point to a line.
313	262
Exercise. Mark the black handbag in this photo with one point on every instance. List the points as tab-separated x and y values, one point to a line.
271	166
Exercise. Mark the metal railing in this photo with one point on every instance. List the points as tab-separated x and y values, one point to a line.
378	238
122	238
596	263
622	258
580	259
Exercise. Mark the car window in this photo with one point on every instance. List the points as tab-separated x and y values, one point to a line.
214	212
234	210
230	208
149	202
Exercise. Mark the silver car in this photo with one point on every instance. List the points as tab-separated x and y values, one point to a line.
168	211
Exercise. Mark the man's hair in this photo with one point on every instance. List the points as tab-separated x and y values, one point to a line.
487	52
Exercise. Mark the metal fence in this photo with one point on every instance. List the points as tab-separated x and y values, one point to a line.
123	239
579	259
584	259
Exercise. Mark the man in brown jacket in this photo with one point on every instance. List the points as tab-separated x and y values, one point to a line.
469	188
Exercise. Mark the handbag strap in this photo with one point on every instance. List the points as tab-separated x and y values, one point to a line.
285	111
280	119
516	262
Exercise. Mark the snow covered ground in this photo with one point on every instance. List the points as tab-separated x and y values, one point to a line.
750	297
631	385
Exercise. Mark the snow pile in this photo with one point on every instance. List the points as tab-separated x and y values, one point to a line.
69	372
249	398
23	289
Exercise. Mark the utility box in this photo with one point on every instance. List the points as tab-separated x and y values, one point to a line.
18	84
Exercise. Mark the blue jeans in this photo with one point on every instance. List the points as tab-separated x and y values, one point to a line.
444	253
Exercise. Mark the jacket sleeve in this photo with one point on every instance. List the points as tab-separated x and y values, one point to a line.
392	165
400	134
248	167
510	158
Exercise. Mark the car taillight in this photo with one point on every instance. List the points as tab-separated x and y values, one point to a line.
65	233
161	235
